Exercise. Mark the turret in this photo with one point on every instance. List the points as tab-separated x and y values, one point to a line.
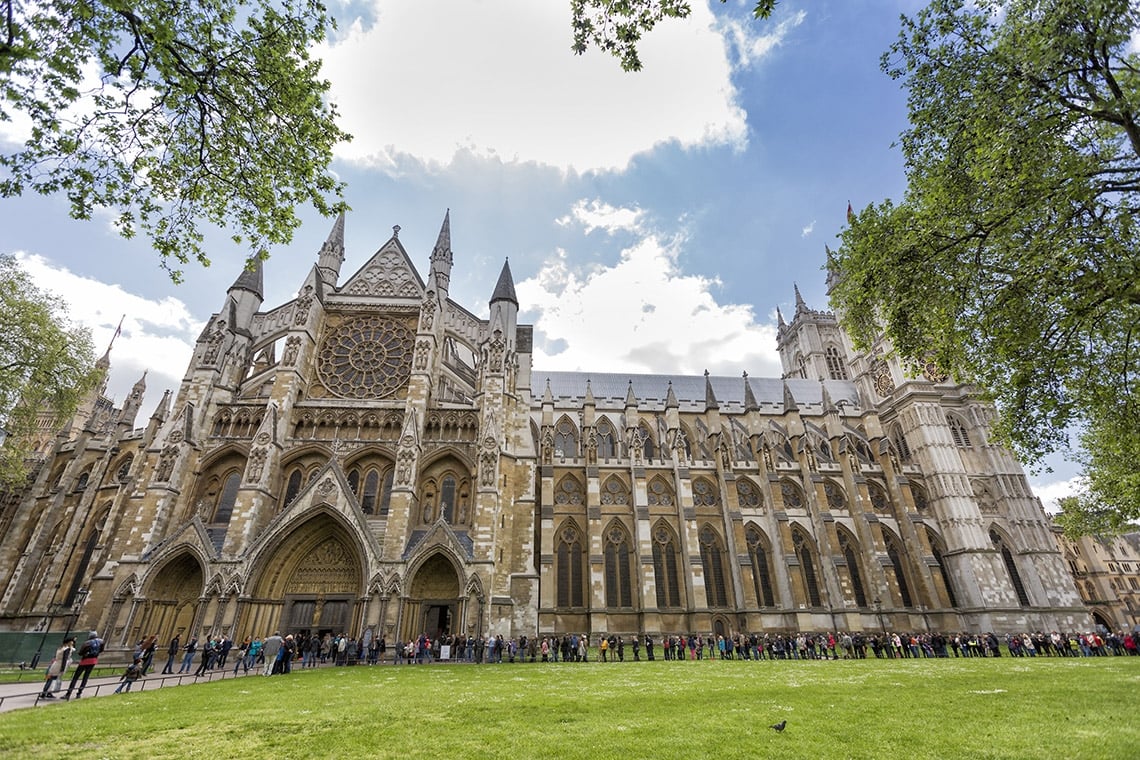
505	305
132	404
244	298
332	253
440	276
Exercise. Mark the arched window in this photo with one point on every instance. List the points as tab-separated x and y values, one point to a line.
354	482
614	491
895	555
746	494
606	447
293	487
878	498
761	569
939	551
836	498
901	446
81	482
705	493
1011	568
648	449
807	567
386	493
958	432
665	562
447	499
848	546
712	562
565	439
835	368
793	496
659	493
618	587
568	491
919	495
368	495
124	470
225	507
569	568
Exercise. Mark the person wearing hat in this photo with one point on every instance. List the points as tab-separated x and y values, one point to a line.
58	667
88	659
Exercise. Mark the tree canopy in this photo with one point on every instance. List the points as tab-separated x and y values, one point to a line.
1012	259
616	26
171	114
46	365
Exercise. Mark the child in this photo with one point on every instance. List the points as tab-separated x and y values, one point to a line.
132	674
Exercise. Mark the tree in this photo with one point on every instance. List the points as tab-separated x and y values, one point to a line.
616	26
1012	260
46	365
170	113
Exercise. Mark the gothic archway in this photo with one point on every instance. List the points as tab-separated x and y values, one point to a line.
433	605
173	595
312	583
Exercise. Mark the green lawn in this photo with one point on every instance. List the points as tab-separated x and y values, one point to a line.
901	709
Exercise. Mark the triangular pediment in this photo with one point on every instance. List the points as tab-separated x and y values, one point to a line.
388	274
327	491
440	534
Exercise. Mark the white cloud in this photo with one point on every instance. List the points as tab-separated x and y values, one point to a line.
158	335
808	229
643	315
753	41
429	77
1053	491
597	214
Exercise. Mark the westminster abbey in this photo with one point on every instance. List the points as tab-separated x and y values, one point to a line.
373	458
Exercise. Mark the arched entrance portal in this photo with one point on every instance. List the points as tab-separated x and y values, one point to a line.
433	605
172	599
312	584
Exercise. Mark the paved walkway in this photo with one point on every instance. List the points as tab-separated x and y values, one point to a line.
15	696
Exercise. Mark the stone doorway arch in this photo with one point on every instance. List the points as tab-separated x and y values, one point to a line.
433	605
312	583
173	596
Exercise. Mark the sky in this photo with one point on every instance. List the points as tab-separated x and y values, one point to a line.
653	221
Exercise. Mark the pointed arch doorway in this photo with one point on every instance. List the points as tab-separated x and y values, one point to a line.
433	606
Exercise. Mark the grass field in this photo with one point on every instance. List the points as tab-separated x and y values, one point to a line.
977	708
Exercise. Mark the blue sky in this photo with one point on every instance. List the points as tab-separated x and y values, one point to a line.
653	221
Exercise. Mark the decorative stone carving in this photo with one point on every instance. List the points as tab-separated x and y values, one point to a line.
292	349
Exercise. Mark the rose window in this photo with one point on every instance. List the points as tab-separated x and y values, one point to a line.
367	357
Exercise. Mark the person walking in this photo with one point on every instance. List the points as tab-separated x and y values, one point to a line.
171	653
88	659
57	668
188	656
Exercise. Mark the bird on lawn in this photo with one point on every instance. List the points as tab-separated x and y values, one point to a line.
780	726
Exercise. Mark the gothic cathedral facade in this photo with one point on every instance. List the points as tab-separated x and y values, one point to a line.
373	458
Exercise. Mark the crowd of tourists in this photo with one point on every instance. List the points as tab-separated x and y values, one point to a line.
278	655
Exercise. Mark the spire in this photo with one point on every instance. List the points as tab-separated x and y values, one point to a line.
630	397
441	257
671	398
163	409
547	395
251	279
800	305
750	404
710	397
780	318
789	400
828	404
331	255
589	397
505	287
